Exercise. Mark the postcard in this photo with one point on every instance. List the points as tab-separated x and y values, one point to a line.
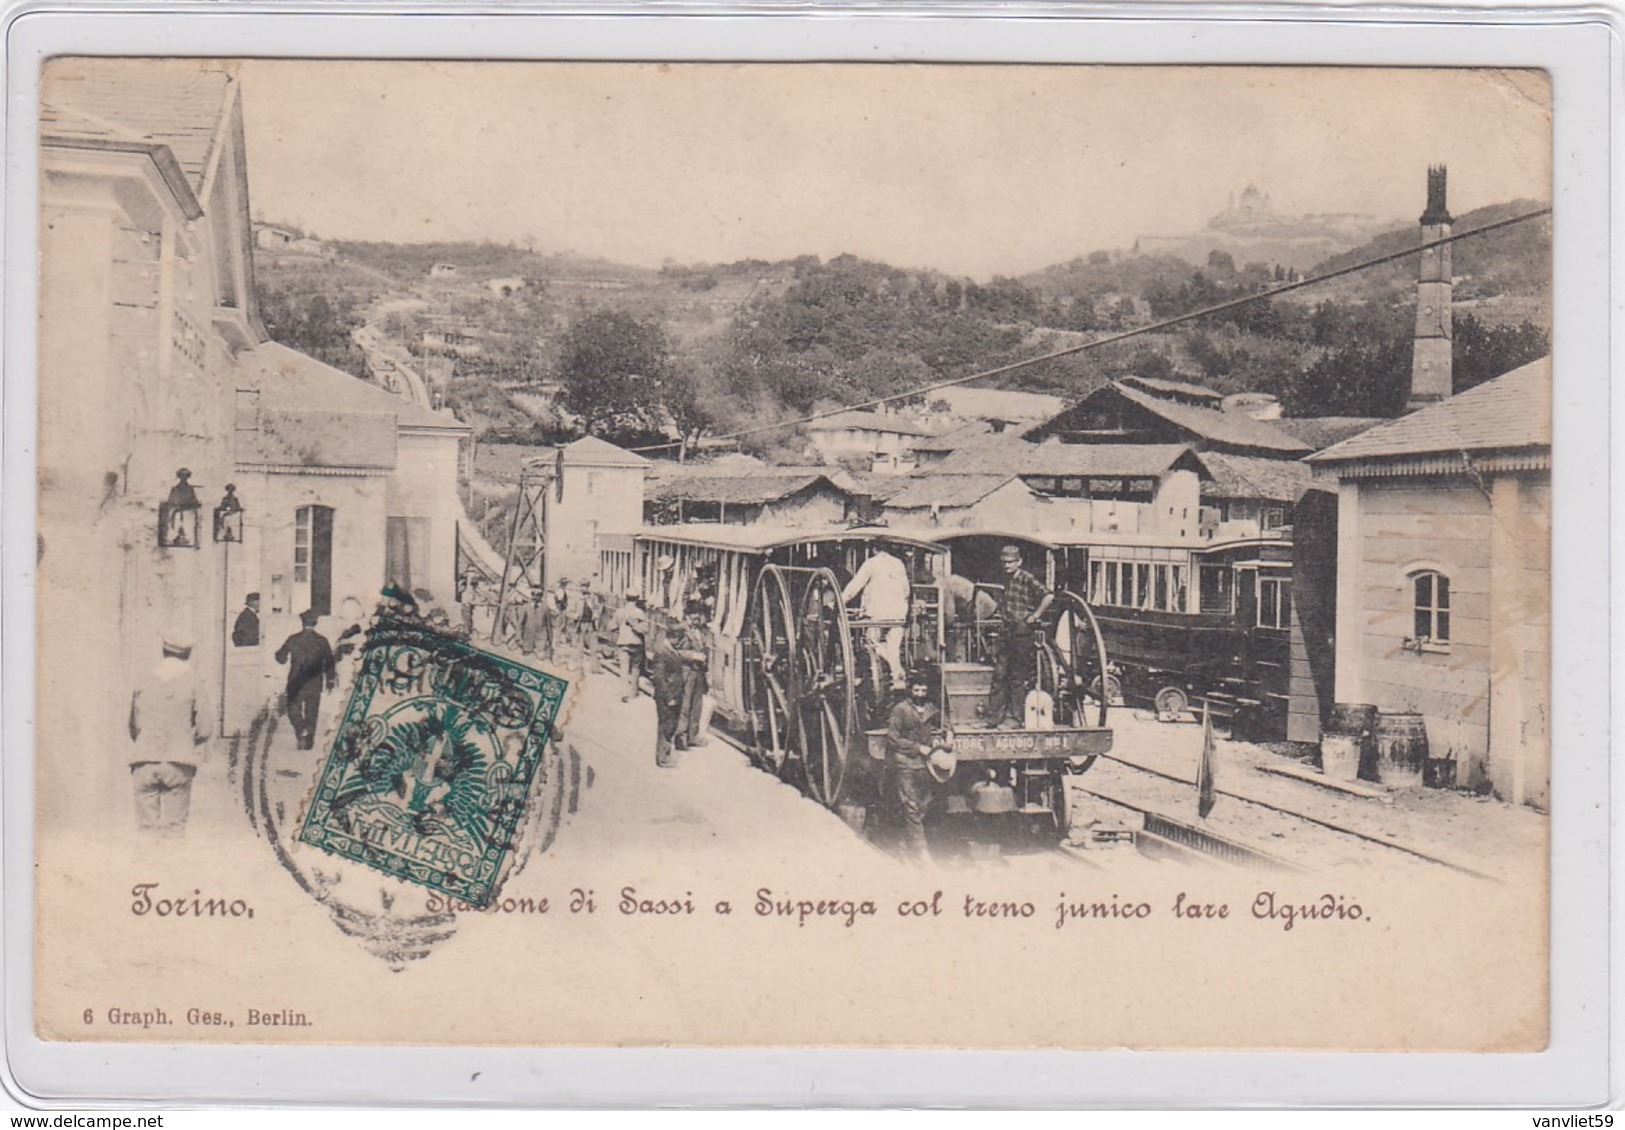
752	555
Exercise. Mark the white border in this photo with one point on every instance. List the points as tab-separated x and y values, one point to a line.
1577	46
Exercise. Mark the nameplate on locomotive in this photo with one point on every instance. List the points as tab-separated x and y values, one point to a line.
1030	743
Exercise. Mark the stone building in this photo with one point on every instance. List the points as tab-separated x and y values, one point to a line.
1444	576
153	361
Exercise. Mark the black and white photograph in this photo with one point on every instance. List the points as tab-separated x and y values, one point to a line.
883	555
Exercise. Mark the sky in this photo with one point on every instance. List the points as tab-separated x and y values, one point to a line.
973	170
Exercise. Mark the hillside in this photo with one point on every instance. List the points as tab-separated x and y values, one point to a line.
502	334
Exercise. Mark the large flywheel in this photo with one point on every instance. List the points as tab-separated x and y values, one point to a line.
825	685
769	670
1084	658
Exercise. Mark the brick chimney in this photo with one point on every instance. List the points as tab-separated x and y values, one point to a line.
1430	364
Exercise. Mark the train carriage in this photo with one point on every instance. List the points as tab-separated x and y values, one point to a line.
802	678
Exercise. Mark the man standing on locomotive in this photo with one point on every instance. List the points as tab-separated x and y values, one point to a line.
1021	610
884	584
915	742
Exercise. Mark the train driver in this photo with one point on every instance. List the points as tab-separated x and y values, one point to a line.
883	583
1021	609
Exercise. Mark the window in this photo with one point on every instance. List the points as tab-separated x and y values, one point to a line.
1274	602
1217	590
313	559
1272	518
1432	598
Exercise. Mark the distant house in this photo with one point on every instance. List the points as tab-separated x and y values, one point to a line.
784	496
1444	576
269	238
1064	489
932	450
1247	497
1122	413
308	246
505	288
991	501
884	439
443	271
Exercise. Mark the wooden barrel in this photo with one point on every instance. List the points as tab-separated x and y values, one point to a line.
1402	749
1358	719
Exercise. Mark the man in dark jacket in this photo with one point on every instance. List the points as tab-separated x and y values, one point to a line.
246	631
310	668
666	672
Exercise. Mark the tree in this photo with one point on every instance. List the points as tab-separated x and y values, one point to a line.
610	368
1482	352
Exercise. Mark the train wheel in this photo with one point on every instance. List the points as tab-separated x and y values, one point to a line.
825	689
1171	700
771	633
1054	680
1061	806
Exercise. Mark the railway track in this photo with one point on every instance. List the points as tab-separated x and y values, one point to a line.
1159	834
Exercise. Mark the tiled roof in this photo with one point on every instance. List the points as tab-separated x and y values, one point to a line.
1246	476
748	490
1512	411
946	490
1009	454
179	103
601	453
872	421
1323	431
1159	387
955	438
1103	458
983	455
1233	428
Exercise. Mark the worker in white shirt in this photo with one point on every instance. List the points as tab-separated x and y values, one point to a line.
883	583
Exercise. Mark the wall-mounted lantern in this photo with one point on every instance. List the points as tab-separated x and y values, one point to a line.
228	517
179	514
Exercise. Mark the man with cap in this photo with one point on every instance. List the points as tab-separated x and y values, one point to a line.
666	675
169	727
245	631
310	668
1021	609
914	737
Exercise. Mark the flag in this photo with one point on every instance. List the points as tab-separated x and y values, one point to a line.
1204	768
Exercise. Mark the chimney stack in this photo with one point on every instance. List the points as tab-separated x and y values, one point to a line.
1430	363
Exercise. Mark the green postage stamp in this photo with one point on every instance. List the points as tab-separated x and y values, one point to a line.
430	771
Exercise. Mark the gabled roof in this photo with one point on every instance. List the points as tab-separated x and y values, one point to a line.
1139	459
1246	476
955	438
178	103
595	452
1175	389
871	421
1512	412
1323	431
1009	454
946	490
753	489
984	455
1224	429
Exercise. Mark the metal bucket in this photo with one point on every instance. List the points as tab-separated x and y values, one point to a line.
1402	749
1340	756
1358	719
